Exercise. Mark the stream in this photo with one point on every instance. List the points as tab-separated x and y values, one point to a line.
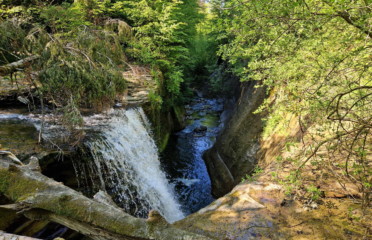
182	160
121	158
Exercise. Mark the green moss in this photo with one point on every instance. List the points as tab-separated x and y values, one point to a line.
4	182
164	141
179	112
19	137
210	120
16	187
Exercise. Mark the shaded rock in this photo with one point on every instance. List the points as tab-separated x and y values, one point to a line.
238	144
200	129
220	174
287	202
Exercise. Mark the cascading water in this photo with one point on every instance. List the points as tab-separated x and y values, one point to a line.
126	164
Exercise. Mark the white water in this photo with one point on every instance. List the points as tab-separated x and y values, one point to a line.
125	161
127	165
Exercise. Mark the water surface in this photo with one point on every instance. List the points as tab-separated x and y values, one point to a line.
182	160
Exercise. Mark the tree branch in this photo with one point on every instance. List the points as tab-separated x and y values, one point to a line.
14	66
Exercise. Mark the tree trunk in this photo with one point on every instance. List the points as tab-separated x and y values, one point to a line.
12	67
41	198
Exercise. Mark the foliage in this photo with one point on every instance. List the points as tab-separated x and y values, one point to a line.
315	58
86	68
158	38
253	175
63	18
314	192
84	44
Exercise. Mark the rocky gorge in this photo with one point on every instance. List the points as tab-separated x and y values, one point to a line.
157	119
253	208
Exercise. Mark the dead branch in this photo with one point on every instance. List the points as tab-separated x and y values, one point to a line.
14	66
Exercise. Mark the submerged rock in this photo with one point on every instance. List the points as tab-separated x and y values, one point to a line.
200	129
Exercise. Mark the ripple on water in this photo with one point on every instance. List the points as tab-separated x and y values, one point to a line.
183	158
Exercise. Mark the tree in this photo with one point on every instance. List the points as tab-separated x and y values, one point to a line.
314	57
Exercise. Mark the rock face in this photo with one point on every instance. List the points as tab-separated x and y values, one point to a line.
241	214
140	83
234	154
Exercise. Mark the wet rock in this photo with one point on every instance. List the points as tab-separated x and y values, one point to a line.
200	129
118	105
18	136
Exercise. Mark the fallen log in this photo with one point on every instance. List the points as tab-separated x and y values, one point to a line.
7	236
14	66
41	198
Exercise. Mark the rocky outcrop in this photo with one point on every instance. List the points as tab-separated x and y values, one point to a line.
234	154
138	79
240	214
12	92
262	210
140	83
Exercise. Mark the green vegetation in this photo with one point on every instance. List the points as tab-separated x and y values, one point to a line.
85	45
314	56
82	48
253	175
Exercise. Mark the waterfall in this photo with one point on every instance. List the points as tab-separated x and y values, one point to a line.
126	165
